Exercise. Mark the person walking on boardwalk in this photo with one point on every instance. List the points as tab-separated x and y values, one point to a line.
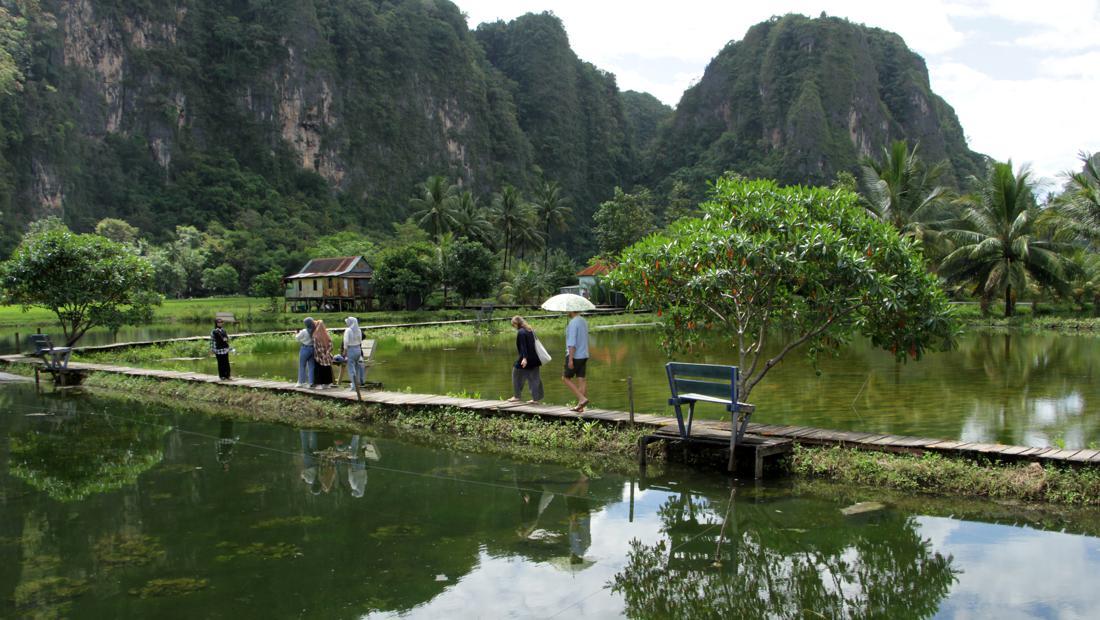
306	365
219	347
526	368
352	348
574	376
322	356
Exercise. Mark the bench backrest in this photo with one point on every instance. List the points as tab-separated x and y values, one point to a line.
227	317
41	343
715	380
368	350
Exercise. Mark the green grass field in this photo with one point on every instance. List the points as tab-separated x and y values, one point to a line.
249	310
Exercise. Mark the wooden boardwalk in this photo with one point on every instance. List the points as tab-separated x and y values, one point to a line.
660	425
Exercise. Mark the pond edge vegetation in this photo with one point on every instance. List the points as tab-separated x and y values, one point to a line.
593	445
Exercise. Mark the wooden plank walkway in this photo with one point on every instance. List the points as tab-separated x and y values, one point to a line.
711	429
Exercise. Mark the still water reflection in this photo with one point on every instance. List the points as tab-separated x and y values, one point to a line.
211	518
1024	389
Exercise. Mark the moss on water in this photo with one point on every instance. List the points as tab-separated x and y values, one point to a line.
264	551
48	597
936	473
128	550
301	520
156	588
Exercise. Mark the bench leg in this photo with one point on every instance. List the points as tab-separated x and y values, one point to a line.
732	465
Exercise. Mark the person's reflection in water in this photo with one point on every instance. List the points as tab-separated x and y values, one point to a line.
357	469
309	461
225	443
580	520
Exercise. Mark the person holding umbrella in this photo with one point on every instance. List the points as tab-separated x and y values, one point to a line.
575	373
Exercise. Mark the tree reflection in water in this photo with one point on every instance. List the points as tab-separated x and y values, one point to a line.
786	564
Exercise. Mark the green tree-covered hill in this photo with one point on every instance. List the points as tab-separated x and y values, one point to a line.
800	99
274	122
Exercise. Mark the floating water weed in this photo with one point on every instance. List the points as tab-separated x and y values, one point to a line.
284	521
156	588
274	551
128	549
395	531
49	594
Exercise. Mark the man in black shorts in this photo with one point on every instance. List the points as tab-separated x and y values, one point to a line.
576	359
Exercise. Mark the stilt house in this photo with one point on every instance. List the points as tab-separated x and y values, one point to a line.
340	283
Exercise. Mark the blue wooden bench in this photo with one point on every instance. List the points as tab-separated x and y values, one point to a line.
707	383
56	359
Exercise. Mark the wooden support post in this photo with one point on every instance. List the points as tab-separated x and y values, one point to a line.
630	396
36	377
18	349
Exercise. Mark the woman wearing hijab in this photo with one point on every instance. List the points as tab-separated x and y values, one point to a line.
219	346
352	348
306	366
526	368
322	355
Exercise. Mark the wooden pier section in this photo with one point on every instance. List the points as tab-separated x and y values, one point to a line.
775	438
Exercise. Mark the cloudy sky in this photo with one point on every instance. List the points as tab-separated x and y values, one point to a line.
1023	75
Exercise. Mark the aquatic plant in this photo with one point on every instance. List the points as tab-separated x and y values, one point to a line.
263	551
49	594
156	588
401	530
128	550
300	520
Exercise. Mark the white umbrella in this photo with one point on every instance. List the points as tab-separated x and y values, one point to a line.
567	302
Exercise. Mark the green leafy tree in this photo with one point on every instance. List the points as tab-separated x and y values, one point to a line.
85	280
268	284
408	273
807	263
623	220
343	243
169	276
903	191
552	210
222	279
469	269
117	230
1000	249
434	206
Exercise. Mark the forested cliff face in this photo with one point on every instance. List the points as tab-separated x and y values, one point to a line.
300	115
283	120
801	99
569	109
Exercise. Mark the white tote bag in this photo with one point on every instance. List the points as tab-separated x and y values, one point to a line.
544	355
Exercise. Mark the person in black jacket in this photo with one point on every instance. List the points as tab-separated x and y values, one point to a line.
526	368
219	346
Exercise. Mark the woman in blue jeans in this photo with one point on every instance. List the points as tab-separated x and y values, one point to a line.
353	351
305	354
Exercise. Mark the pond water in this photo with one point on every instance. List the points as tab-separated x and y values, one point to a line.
114	509
1023	389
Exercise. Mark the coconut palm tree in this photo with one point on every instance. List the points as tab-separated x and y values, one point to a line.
1080	204
434	206
902	190
472	221
511	216
998	246
552	210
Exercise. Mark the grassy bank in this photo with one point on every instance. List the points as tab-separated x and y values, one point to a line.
934	473
251	310
570	442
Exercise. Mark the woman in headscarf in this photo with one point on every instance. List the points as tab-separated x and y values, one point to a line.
306	366
322	355
353	351
526	368
219	346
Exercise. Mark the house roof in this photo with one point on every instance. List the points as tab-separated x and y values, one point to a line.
598	269
335	266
